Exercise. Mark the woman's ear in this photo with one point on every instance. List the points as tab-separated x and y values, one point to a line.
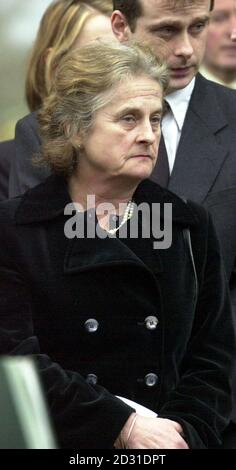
76	140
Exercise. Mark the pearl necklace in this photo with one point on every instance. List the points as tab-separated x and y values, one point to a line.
127	215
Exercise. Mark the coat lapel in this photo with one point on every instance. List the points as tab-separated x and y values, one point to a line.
201	151
87	254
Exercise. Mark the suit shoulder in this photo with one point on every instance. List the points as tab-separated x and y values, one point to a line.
7	148
223	93
30	120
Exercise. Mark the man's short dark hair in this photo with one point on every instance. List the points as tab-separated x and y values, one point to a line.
132	10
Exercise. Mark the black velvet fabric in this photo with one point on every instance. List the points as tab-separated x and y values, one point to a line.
51	285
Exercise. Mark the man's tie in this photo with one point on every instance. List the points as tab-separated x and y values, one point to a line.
161	172
167	148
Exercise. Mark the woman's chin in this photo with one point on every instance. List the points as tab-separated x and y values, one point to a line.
141	174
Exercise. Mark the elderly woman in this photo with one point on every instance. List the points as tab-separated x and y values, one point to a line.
114	314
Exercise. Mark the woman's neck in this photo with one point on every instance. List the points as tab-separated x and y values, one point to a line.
92	194
108	199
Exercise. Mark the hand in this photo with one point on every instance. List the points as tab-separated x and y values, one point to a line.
151	433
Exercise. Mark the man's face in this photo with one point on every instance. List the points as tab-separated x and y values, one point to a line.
183	29
221	40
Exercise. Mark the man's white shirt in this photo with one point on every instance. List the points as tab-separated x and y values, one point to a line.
173	120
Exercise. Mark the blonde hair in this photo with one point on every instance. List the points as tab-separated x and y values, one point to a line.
85	81
60	26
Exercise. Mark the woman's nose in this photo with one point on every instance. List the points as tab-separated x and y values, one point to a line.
146	133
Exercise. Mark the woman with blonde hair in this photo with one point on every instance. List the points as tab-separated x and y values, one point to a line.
65	25
62	27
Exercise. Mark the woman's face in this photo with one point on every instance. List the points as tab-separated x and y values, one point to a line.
96	27
124	140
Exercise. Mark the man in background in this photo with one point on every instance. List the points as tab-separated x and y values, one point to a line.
220	58
197	157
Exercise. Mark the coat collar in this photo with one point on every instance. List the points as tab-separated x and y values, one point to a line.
43	202
48	200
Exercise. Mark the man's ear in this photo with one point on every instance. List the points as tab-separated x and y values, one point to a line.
120	26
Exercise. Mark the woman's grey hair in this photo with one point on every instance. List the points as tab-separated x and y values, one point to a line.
85	82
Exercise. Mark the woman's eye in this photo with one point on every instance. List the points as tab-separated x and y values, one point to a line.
155	121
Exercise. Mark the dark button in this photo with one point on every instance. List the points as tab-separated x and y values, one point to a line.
151	322
151	379
91	325
91	379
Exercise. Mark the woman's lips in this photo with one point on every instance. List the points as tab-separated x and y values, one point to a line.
142	156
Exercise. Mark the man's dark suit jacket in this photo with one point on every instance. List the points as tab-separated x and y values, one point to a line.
7	153
205	167
204	170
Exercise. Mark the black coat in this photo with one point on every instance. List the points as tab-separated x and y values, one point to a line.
204	169
50	286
